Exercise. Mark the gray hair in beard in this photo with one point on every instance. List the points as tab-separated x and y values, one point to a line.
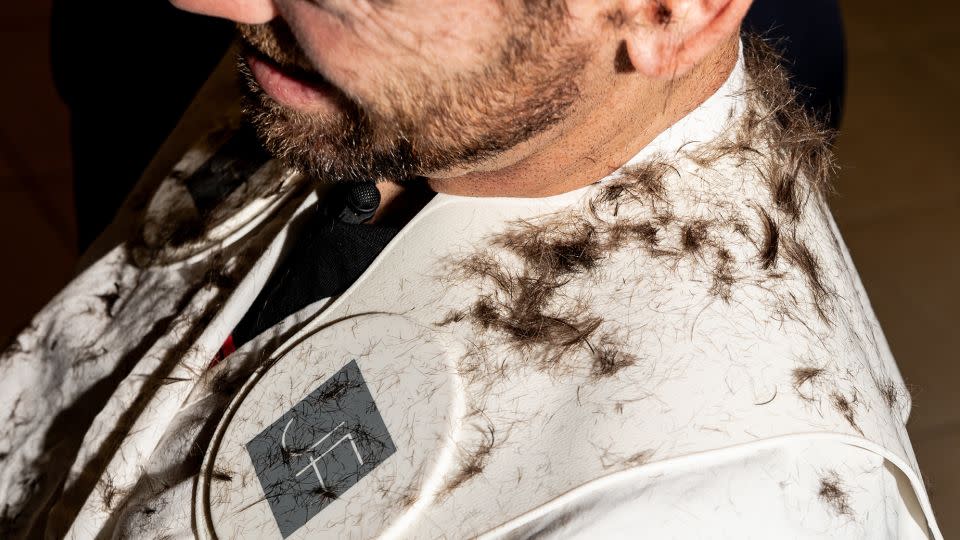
433	122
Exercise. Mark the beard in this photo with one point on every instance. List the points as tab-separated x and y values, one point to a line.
432	121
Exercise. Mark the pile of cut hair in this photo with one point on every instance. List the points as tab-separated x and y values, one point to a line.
525	274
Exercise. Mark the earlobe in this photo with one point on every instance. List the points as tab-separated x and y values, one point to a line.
650	57
654	44
652	37
667	38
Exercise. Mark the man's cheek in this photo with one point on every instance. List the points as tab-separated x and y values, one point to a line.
330	43
368	41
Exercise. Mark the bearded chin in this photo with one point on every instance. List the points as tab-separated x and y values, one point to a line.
343	148
448	126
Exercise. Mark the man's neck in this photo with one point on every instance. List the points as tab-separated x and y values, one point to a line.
614	130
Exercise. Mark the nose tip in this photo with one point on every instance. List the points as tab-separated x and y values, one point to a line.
241	11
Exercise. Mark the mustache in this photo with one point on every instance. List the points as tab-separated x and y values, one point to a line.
275	42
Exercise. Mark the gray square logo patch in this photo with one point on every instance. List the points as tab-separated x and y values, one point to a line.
320	448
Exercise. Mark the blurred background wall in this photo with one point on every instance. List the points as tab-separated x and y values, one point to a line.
897	198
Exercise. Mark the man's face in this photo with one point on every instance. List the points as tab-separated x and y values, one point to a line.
390	89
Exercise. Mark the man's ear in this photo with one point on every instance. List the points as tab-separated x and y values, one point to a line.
666	38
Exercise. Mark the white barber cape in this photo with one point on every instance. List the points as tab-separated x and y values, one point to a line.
640	358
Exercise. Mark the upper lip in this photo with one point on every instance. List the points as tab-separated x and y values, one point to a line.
296	71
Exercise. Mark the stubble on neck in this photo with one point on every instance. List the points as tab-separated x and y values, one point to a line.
598	140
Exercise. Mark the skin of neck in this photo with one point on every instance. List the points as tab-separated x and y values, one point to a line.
597	139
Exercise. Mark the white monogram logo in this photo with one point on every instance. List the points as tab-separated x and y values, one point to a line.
316	458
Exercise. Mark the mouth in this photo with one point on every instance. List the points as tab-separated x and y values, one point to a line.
292	86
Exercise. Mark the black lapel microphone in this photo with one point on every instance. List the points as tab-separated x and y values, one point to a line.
360	203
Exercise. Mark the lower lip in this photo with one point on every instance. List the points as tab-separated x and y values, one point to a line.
288	90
